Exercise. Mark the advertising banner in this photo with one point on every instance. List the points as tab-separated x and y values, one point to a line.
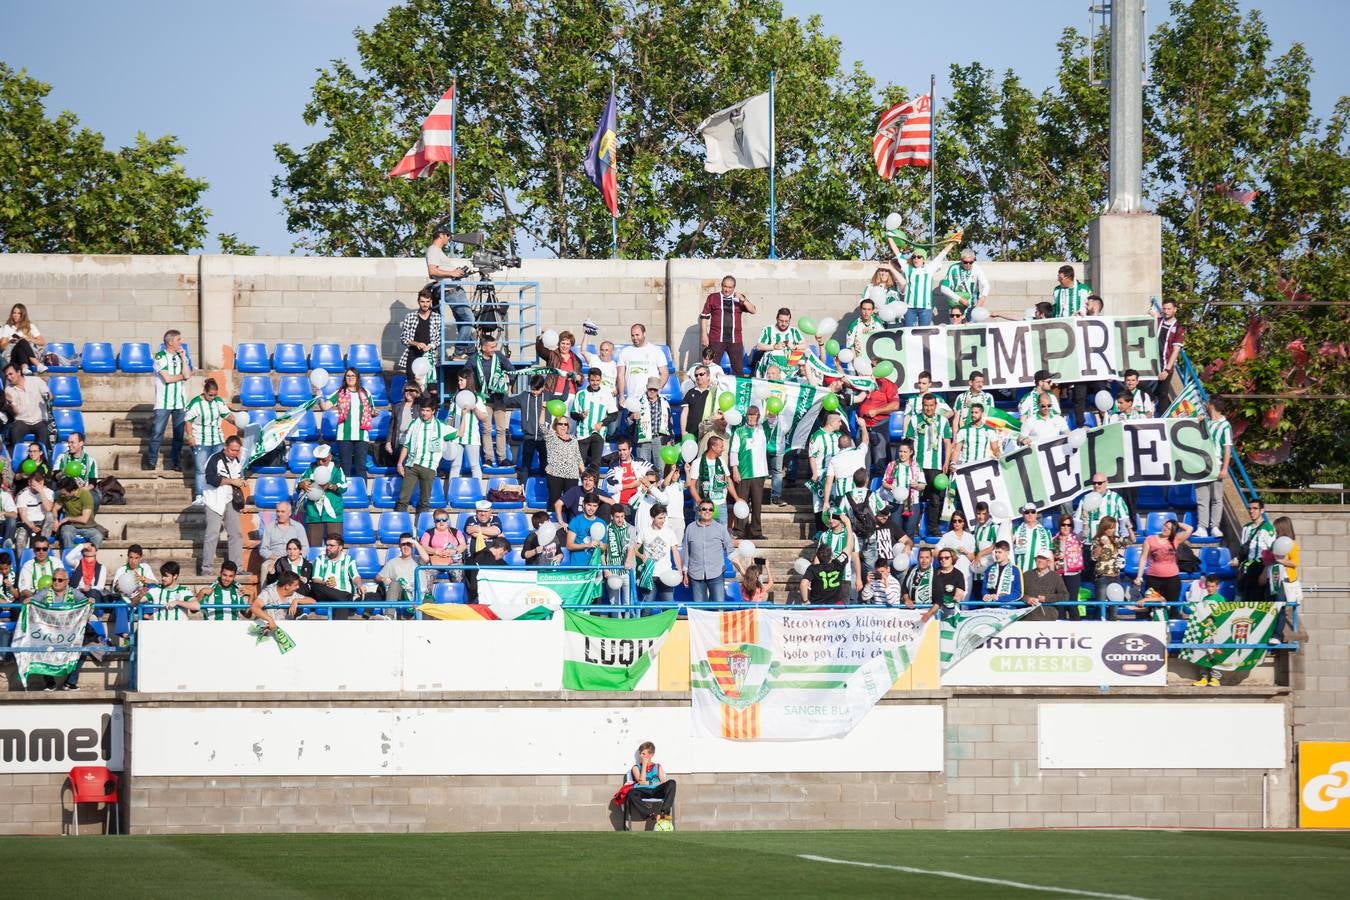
1324	784
605	654
1066	653
55	737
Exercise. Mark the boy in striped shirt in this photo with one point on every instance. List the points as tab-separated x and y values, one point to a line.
421	454
1209	495
335	576
204	414
592	409
820	449
223	598
176	600
1070	295
916	278
172	372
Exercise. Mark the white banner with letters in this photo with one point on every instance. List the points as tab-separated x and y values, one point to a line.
1067	653
56	737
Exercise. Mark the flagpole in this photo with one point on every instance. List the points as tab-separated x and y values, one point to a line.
773	159
454	152
932	160
614	220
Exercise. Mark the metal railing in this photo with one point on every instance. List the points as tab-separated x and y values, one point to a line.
517	333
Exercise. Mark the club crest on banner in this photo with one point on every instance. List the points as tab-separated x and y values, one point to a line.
740	673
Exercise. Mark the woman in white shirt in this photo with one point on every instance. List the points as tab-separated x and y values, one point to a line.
21	340
961	540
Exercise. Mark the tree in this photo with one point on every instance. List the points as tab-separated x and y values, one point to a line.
231	244
529	100
62	191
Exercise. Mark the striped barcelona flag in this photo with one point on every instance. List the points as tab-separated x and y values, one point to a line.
904	136
602	157
434	145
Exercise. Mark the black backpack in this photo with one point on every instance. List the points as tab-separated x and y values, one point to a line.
864	520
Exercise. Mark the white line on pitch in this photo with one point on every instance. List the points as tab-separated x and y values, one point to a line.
957	875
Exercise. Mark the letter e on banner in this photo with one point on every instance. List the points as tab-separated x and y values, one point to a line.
1146	444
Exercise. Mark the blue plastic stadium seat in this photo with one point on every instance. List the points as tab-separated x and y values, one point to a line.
364	358
672	391
1152	496
515	560
65	350
269	490
135	358
896	425
67	421
502	482
424	523
450	592
375	386
300	457
1216	561
256	391
98	358
293	390
306	428
393	524
261	416
252	358
379	428
356	496
536	493
463	493
367	561
1176	630
396	387
326	356
384	492
437	494
328	425
65	390
515	527
515	433
1156	520
357	528
670	359
734	593
1132	555
1181	496
331	388
289	358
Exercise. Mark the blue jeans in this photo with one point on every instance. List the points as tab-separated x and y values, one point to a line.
713	590
90	534
200	455
458	302
659	592
923	317
776	468
161	418
619	597
352	458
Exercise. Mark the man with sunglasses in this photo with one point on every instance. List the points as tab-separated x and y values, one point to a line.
703	552
1108	503
915	278
966	286
697	404
62	595
37	572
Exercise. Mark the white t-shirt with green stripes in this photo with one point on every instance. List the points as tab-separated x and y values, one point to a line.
772	337
974	442
169	395
425	441
218	597
1069	301
342	570
928	436
919	283
179	593
749	452
966	399
464	427
350	430
206	416
593	406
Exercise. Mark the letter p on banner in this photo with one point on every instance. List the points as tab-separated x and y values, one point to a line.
1324	784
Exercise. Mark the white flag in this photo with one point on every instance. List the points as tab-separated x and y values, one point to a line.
738	136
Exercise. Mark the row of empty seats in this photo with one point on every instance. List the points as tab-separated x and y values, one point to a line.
382	493
99	357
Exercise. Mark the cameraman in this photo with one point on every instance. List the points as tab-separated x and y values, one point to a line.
439	270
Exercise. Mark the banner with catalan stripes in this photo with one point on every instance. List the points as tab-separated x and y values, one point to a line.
781	675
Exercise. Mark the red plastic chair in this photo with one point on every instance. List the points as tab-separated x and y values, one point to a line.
94	784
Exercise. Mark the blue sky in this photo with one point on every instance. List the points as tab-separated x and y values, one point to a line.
230	80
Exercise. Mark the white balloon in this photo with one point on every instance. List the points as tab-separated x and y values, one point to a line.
846	355
598	531
886	313
800	566
633	404
1282	546
466	399
1077	438
742	511
448	450
670	578
747	549
127	584
862	365
421	367
1115	592
732	417
979	314
1092	502
826	326
1029	312
314	494
549	339
324	475
318	378
689	451
1104	401
546	533
893	222
241	420
1000	509
615	582
897	310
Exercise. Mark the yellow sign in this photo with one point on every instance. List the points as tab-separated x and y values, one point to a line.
1324	784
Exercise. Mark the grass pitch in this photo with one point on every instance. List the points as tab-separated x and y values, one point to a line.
951	864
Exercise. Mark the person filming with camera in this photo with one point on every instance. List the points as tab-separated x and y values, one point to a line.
440	269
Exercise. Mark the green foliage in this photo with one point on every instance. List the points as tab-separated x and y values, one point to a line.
533	80
62	191
231	244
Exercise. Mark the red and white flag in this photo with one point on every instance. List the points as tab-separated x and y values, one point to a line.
904	136
436	145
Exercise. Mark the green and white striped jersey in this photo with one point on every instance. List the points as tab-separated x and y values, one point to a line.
918	285
966	399
974	442
822	447
342	570
425	442
86	462
837	541
143	573
593	406
223	595
1112	505
1069	301
350	430
1220	435
928	436
1027	540
206	416
179	593
464	427
971	280
986	535
860	331
169	396
772	337
914	407
749	450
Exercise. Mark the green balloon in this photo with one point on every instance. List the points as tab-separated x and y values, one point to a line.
806	326
883	369
773	405
670	454
44	581
726	401
941	482
830	403
556	408
832	347
75	469
28	466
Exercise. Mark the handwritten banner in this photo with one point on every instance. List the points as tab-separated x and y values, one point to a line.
1010	353
1130	454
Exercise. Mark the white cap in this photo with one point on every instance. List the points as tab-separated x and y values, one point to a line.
323	451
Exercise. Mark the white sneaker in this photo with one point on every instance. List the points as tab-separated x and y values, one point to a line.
1201	533
197	500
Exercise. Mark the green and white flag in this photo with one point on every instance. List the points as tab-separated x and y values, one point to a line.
260	440
964	632
56	628
801	405
1230	623
258	631
604	654
531	586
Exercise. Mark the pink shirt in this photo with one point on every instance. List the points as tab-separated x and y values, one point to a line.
1162	557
